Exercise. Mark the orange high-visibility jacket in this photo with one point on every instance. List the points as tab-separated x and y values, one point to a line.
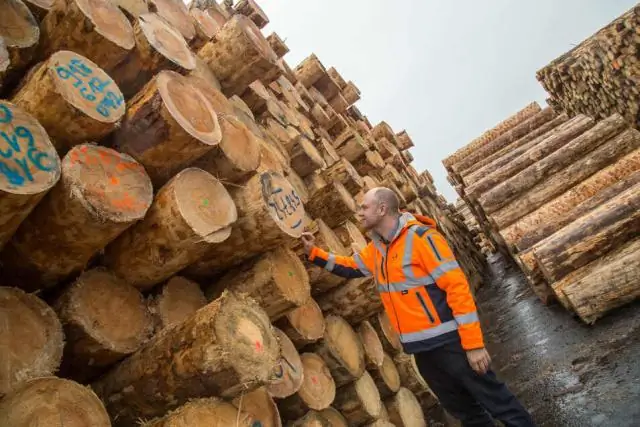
424	292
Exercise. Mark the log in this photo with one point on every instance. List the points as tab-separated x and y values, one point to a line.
333	204
369	163
304	325
341	349
237	157
410	376
381	423
319	99
519	159
100	194
574	203
95	29
29	168
20	34
277	44
357	300
359	401
226	348
73	99
273	160
334	417
309	71
204	413
177	300
386	377
373	352
311	419
252	10
239	55
388	335
305	158
206	26
239	104
259	405
32	338
159	46
202	71
176	14
95	338
588	238
277	280
339	104
328	152
320	116
351	94
351	237
337	77
64	399
558	183
343	172
178	230
405	410
39	8
383	130
299	185
387	149
133	9
289	372
588	141
168	125
317	392
338	125
603	285
256	97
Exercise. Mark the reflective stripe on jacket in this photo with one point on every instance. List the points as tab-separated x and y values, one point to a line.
424	292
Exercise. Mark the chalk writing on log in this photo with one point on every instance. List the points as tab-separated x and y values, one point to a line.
19	155
283	202
91	87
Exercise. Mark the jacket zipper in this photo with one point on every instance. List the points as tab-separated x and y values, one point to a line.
424	306
385	274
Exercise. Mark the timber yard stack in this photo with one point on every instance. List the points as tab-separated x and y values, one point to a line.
559	191
159	164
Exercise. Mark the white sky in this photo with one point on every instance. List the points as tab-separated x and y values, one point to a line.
443	70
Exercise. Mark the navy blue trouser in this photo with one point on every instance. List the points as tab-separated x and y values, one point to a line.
473	399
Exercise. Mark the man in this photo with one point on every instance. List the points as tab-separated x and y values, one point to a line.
427	298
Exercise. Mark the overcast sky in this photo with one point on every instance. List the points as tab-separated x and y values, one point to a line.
443	70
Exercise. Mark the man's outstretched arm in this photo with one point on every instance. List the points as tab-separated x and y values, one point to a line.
343	266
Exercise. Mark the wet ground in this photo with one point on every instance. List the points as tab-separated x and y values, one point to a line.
564	372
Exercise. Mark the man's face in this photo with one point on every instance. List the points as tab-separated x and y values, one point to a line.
370	212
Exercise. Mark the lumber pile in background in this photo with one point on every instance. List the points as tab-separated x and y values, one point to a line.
558	191
159	163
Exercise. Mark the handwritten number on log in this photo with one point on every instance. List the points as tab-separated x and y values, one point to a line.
284	206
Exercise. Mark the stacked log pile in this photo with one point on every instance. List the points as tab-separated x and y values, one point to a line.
557	192
159	164
598	77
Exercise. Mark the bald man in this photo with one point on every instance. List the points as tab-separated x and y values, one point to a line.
427	298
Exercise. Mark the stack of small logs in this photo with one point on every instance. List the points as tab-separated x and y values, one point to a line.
159	163
599	77
560	196
483	242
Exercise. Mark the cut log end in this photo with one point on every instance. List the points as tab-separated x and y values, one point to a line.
48	400
109	22
335	418
344	345
359	401
18	27
318	388
260	406
178	300
388	335
405	410
373	351
205	413
289	373
305	324
285	206
167	40
32	336
176	14
387	377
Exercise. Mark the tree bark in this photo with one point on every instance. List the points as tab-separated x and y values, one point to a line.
168	125
526	179
239	55
289	371
39	8
588	238
410	376
95	29
373	352
32	338
227	348
178	230
359	401
574	203
333	204
388	335
159	46
95	338
29	168
78	403
100	194
341	349
73	99
317	392
517	160
20	34
309	71
204	413
132	8
175	12
252	10
177	300
303	325
277	280
405	410
259	405
357	300
571	175
386	377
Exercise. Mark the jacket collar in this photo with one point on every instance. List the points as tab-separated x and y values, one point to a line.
406	220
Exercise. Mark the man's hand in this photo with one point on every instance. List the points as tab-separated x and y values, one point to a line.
479	360
309	241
